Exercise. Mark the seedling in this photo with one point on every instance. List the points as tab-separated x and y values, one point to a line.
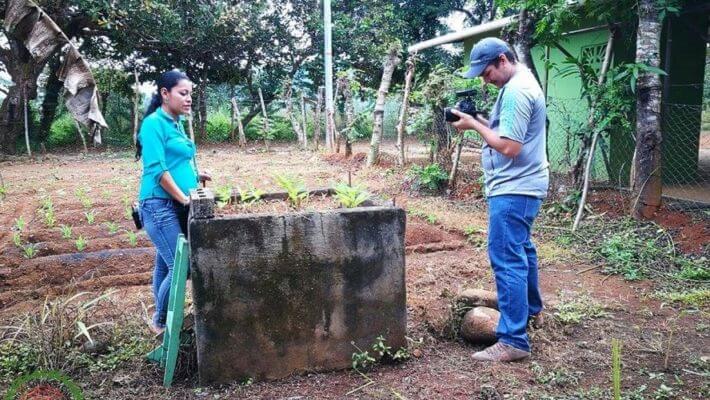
49	218
350	196
132	238
295	189
223	196
80	243
17	239
250	195
20	224
112	227
66	231
30	250
90	217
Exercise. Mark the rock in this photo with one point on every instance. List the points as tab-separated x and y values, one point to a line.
479	325
479	297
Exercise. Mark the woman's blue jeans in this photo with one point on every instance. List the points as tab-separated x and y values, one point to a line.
163	220
514	261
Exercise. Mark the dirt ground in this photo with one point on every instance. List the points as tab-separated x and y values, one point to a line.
665	351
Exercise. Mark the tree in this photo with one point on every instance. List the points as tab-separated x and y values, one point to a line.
646	184
389	64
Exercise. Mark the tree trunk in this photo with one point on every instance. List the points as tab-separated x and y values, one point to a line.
202	112
137	106
524	40
440	129
390	63
647	185
401	125
349	115
288	97
304	127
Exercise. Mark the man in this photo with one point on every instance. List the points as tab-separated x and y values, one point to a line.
516	180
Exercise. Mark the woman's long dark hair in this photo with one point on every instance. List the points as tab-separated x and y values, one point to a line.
167	80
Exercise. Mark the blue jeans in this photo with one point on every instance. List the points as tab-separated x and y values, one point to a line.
514	261
163	220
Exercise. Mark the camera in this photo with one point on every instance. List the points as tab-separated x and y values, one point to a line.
466	106
135	213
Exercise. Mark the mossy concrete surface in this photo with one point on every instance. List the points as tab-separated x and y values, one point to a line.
279	294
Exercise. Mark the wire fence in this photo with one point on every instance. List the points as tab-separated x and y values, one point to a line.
685	150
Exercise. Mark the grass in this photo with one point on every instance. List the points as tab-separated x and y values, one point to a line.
575	308
696	298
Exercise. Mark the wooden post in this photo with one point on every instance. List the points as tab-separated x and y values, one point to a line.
27	126
401	125
317	117
266	121
242	136
136	107
304	129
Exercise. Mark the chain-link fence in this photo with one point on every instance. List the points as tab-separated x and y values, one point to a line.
685	150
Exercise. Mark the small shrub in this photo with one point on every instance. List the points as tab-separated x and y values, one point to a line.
219	127
350	196
431	177
62	132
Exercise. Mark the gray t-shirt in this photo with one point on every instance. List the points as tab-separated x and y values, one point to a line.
518	114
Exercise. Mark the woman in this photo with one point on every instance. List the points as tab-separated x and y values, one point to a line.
169	173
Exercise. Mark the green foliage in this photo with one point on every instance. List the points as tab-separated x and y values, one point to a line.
559	377
83	196
696	298
90	216
47	211
62	132
219	127
20	224
575	309
223	196
431	177
17	239
362	359
80	243
132	238
295	188
250	195
430	218
30	250
627	253
112	227
350	196
280	129
16	359
66	231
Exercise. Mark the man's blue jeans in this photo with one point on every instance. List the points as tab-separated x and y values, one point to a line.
514	261
163	220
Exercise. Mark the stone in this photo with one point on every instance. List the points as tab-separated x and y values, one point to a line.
478	297
479	325
280	294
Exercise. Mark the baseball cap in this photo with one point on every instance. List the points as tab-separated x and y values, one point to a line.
483	53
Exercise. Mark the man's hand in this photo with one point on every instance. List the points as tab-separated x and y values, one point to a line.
465	121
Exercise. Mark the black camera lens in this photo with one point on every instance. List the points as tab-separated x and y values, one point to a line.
450	117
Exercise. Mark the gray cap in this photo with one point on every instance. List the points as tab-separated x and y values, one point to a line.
483	53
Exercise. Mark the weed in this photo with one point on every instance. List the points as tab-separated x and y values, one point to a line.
20	224
295	189
90	216
16	359
80	243
696	270
132	238
17	239
66	231
557	377
626	253
430	218
362	359
573	310
112	227
431	177
30	250
350	196
3	192
696	298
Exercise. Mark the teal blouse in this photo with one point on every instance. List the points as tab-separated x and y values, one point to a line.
166	148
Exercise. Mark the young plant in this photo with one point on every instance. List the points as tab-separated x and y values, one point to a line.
20	224
80	243
17	239
223	196
3	192
30	250
90	217
350	196
82	195
112	227
295	189
66	231
49	218
132	238
433	177
250	195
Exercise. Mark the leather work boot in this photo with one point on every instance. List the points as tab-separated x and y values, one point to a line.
501	352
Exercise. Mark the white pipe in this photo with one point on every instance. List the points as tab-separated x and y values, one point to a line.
466	33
